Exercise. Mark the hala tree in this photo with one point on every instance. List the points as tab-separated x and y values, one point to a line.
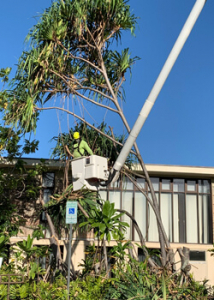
71	54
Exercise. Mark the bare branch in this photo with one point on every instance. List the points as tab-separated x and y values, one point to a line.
63	77
141	190
59	75
89	45
67	149
96	91
142	240
80	58
96	103
84	121
82	210
112	33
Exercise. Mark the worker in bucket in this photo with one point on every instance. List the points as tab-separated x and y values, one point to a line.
80	146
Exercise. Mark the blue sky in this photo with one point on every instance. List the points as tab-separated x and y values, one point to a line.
179	129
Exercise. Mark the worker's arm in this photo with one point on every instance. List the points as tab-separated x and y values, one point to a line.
87	148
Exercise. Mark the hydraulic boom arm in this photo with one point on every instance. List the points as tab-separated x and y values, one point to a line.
185	32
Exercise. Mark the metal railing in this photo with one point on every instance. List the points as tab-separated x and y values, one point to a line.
10	281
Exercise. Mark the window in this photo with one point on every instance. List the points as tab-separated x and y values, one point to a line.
166	184
197	255
191	185
185	207
154	253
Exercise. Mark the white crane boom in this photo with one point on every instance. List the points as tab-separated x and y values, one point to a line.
185	32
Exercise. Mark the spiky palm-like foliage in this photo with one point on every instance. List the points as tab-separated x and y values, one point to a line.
70	53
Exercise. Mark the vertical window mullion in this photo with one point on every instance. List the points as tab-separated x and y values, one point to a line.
121	192
172	211
197	193
147	221
210	216
198	219
185	213
203	239
133	207
147	213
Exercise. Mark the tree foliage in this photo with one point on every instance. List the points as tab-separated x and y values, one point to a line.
11	138
70	53
99	143
106	223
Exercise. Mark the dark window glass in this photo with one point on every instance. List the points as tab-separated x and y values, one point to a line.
204	186
197	255
178	185
153	253
181	218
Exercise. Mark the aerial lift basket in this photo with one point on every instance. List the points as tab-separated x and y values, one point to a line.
88	171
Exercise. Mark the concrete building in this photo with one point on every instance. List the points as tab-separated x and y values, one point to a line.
186	199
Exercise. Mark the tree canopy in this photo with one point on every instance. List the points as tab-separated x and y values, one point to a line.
71	53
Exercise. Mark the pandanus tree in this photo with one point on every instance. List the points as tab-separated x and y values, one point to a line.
71	54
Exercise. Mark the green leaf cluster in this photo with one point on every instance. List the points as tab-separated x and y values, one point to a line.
4	74
3	242
17	185
137	281
106	222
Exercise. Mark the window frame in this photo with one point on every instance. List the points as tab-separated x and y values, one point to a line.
182	213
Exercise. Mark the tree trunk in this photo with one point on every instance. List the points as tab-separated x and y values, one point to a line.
53	239
184	255
105	258
162	234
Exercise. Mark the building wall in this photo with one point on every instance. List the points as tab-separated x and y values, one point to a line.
201	269
212	191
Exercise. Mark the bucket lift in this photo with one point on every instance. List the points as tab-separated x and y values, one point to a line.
88	171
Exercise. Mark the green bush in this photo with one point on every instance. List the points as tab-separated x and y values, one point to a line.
135	281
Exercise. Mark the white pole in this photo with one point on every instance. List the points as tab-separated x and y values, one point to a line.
69	260
185	32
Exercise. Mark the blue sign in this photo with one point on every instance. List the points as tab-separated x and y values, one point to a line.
71	212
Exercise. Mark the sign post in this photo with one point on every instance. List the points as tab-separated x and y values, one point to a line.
71	218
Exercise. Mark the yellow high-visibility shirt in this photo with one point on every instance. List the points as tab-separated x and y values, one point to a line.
80	151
